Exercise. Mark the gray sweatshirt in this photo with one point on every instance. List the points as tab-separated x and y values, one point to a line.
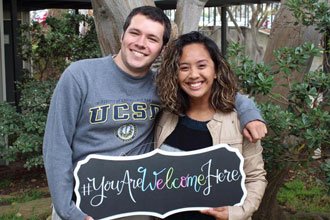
97	108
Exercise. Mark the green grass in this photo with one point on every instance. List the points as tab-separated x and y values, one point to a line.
17	216
24	197
301	195
11	216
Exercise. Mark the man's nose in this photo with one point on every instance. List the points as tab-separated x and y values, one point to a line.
141	41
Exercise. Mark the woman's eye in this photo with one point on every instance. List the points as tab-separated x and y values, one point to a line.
184	68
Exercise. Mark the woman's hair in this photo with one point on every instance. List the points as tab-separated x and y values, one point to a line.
173	98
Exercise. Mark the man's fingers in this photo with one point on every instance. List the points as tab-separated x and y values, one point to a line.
255	130
247	134
265	129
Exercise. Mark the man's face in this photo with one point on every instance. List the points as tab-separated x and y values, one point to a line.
141	44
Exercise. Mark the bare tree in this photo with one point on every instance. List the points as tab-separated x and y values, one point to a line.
109	19
259	15
187	14
240	35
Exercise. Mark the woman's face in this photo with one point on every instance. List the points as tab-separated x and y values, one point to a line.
196	72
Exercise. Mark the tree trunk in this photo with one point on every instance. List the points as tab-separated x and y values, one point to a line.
269	208
240	35
187	15
109	16
285	33
326	52
250	37
326	55
256	23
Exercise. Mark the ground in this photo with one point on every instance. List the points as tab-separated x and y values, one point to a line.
19	186
21	178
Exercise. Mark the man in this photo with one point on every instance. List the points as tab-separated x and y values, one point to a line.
108	106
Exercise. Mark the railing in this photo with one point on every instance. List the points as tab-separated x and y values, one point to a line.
242	14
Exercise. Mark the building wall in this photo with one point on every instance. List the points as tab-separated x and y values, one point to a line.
12	65
2	57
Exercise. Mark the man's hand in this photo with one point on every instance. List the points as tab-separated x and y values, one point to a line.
220	213
88	218
254	131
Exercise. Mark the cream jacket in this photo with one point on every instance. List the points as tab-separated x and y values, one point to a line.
225	129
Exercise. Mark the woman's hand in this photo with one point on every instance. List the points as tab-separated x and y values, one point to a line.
220	213
88	218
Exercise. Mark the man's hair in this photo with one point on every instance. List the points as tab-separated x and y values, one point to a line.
173	98
155	14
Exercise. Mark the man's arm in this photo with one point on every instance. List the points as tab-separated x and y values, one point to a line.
254	131
252	123
57	151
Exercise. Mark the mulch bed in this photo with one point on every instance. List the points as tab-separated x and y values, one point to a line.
16	178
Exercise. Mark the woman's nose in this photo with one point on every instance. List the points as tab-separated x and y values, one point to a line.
193	73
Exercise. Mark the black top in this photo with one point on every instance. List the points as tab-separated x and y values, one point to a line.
189	135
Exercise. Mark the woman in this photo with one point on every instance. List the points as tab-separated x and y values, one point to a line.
197	89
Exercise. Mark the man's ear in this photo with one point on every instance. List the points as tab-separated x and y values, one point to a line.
121	37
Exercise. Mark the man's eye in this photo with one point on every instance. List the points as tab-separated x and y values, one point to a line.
153	40
134	33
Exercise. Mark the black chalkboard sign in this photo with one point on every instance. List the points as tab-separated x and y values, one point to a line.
159	183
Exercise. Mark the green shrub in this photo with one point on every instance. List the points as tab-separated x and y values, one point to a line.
53	47
50	50
298	121
24	129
